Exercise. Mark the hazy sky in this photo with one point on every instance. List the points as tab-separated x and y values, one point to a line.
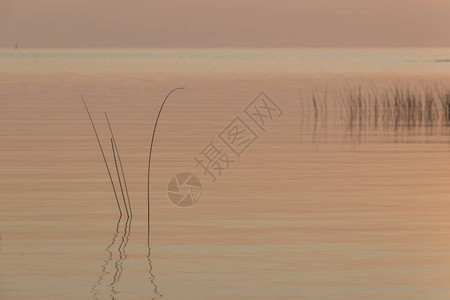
227	23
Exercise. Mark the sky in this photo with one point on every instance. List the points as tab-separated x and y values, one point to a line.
227	23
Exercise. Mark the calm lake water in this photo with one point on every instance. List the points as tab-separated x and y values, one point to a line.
314	208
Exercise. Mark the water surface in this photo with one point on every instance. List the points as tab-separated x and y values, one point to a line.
313	209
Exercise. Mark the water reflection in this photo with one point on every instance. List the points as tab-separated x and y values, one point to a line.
113	265
121	250
151	276
95	289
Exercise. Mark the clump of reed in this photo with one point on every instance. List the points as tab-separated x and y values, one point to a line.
444	97
314	112
126	204
397	107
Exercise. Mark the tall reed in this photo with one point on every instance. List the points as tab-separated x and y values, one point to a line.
150	160
104	157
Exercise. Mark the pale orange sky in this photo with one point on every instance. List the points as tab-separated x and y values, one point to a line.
227	23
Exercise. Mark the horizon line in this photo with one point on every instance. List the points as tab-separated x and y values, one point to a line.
226	47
